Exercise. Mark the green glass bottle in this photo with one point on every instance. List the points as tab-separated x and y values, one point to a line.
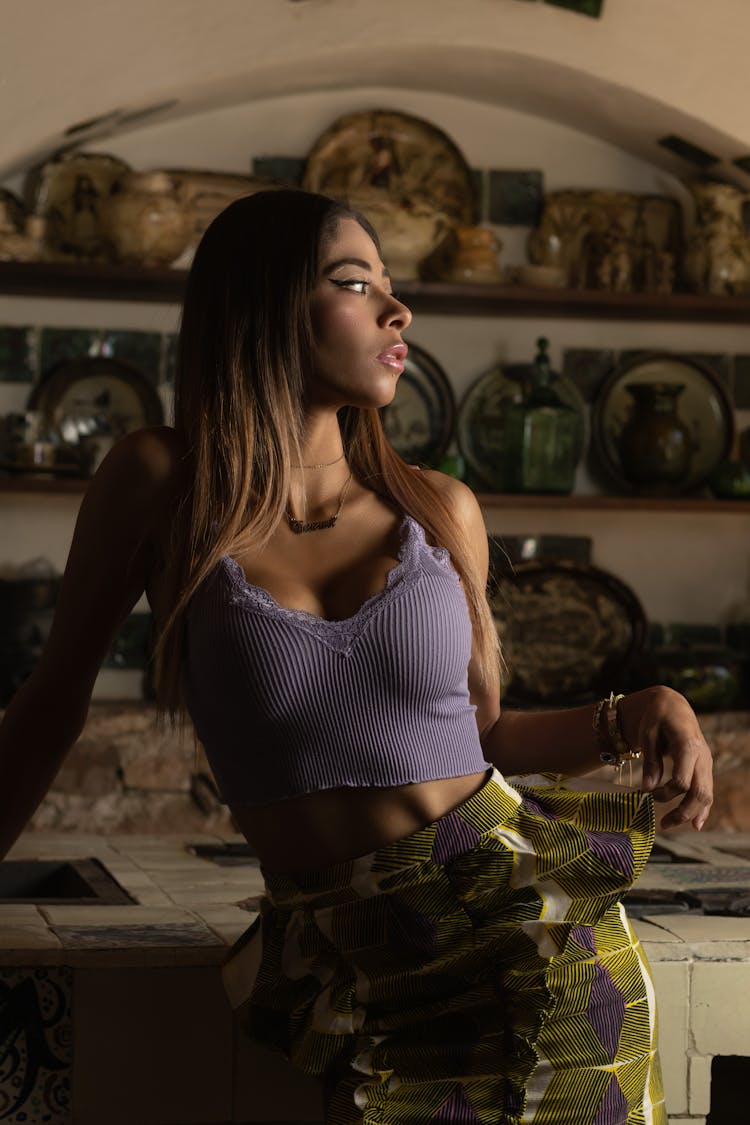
541	434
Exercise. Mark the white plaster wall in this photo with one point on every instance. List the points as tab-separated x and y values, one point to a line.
640	67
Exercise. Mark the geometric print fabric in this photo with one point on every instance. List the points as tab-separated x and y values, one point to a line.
479	971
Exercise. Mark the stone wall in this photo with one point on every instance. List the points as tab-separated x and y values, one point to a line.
127	775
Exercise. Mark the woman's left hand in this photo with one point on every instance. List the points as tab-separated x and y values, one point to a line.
663	725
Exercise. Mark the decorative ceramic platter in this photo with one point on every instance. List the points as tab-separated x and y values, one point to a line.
704	404
569	631
419	421
481	419
404	157
96	395
68	191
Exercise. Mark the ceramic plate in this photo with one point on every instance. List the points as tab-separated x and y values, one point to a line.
405	157
704	404
96	396
68	191
419	422
569	631
481	417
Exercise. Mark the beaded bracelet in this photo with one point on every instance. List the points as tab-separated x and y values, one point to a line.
616	750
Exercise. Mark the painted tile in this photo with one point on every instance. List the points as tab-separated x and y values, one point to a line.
168	364
719	364
118	937
142	349
515	198
690	634
131	646
36	1045
481	194
17	354
629	355
60	344
738	636
284	169
588	368
742	382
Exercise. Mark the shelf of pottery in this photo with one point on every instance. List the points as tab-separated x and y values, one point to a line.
91	227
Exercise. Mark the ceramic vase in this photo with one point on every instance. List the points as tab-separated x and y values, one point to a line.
717	258
477	254
655	444
408	233
145	221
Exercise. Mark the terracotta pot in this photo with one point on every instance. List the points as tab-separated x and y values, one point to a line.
655	445
145	221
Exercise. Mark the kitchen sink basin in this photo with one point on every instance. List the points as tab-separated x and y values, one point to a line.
73	882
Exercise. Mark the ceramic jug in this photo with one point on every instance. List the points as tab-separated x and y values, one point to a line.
655	444
717	258
145	221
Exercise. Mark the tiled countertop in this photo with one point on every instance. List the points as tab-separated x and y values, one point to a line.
190	909
187	910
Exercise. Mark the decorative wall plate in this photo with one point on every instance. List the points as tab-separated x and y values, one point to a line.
94	396
405	157
481	417
569	631
704	404
69	192
419	421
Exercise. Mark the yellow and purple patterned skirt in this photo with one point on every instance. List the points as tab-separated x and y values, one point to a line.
481	970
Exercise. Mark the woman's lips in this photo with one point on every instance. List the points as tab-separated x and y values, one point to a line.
394	357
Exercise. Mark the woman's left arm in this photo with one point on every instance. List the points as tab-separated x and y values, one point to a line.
658	721
677	761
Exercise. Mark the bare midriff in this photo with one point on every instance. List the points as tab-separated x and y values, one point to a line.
320	829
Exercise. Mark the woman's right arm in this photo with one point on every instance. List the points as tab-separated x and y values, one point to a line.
108	568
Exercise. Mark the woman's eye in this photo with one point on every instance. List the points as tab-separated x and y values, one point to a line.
356	284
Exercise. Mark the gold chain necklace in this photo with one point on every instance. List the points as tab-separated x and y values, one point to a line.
322	465
298	527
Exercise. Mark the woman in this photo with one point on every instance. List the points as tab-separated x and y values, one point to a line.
435	944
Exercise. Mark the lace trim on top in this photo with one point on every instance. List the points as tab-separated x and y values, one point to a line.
338	633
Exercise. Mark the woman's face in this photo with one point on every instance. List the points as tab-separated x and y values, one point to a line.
358	352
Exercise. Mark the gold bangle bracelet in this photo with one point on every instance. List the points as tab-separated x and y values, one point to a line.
616	750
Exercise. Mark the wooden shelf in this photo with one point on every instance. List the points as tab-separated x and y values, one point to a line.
42	484
527	501
488	500
94	281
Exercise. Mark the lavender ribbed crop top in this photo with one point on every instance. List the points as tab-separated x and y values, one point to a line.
287	703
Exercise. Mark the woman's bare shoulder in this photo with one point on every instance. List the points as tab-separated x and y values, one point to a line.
457	495
158	451
151	461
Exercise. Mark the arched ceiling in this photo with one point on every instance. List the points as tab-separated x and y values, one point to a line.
642	71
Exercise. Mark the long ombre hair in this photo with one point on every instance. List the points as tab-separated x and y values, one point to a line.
243	352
